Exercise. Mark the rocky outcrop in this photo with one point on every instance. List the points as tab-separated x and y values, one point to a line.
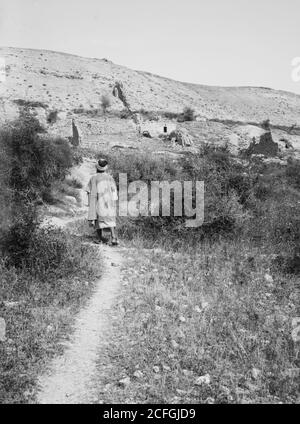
75	140
119	92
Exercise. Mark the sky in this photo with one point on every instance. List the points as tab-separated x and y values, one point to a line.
214	42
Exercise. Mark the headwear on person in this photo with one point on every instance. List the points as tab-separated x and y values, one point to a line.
101	165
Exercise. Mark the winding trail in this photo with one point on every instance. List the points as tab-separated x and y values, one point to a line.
69	379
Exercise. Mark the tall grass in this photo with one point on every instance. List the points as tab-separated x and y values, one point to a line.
251	200
218	301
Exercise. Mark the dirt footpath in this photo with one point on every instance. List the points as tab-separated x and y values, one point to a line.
69	377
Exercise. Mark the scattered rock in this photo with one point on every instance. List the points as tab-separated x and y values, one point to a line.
181	392
138	374
71	199
182	319
2	330
255	372
12	304
225	390
166	368
209	401
174	344
292	373
124	382
251	387
268	278
146	134
187	373
204	379
204	304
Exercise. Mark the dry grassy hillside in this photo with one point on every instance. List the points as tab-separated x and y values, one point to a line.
65	82
71	87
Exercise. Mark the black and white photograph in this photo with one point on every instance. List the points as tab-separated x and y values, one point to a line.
150	205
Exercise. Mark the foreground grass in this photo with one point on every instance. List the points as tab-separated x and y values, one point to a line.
39	314
213	311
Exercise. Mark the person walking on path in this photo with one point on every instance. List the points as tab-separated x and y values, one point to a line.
102	197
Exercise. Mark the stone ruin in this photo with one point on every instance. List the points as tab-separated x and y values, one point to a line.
119	93
265	146
182	137
76	138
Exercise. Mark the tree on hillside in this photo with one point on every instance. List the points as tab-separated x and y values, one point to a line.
188	114
266	125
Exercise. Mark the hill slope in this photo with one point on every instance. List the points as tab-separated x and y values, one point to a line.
66	82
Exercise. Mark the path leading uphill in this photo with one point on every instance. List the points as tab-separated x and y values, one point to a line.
69	378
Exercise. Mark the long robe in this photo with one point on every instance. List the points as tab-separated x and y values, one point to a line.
102	194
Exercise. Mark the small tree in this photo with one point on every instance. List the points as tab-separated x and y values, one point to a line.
105	103
266	125
188	114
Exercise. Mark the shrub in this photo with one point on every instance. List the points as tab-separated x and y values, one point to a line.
73	182
35	162
125	114
30	103
293	173
150	115
52	117
187	115
51	250
79	110
140	166
16	236
266	125
170	115
105	103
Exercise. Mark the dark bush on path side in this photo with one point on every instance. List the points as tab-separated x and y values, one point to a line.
35	162
35	159
293	173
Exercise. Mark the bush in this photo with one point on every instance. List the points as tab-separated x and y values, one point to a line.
149	115
15	237
266	125
30	103
224	193
170	115
187	115
105	103
52	250
140	166
125	114
35	163
52	117
73	182
293	173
